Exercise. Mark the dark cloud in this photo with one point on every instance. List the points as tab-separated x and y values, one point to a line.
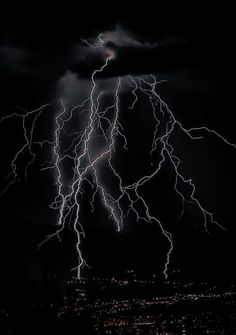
40	53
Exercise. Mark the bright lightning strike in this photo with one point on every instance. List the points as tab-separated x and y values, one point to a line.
103	125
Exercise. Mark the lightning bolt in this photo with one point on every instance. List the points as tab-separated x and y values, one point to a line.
103	124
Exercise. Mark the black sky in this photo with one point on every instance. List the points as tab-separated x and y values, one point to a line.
192	48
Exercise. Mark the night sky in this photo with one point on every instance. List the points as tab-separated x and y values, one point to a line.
192	50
